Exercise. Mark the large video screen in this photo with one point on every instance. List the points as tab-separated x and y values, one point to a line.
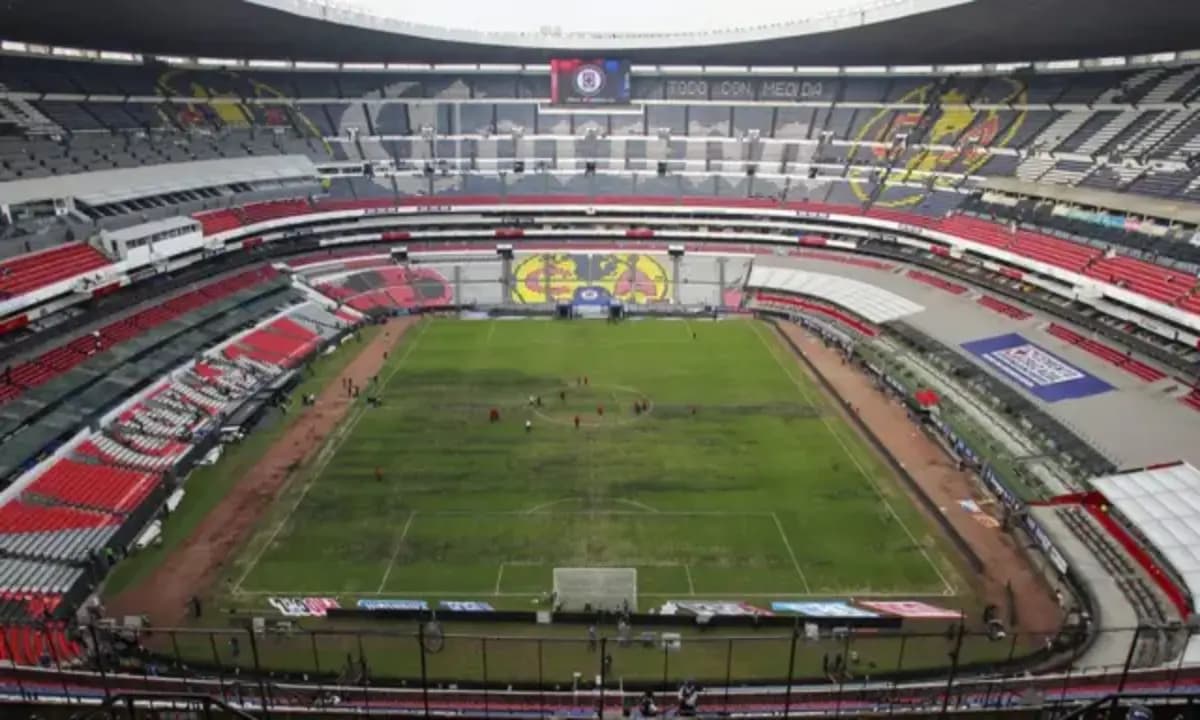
589	82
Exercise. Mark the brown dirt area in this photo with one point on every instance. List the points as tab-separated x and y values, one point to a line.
195	565
935	472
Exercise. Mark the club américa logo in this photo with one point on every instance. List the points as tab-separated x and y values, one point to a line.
961	133
589	279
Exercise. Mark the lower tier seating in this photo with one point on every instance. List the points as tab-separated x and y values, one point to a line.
1110	355
49	365
1004	308
30	272
94	486
801	305
937	282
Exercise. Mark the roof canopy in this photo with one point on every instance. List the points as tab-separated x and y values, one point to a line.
1163	504
972	32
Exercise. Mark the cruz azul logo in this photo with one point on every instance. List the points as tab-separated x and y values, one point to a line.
589	80
962	130
589	279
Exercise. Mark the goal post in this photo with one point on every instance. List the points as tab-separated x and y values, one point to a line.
609	589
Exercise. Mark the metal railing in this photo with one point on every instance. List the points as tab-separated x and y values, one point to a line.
419	668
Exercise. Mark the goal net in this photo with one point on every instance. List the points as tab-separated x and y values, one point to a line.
610	589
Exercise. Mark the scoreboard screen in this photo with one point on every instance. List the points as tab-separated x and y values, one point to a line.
589	82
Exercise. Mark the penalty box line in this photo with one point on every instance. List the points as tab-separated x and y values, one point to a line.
332	444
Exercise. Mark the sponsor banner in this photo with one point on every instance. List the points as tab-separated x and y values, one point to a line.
1043	540
703	607
830	609
911	609
303	606
384	604
1040	372
465	606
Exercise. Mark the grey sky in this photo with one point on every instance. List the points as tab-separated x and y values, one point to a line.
601	15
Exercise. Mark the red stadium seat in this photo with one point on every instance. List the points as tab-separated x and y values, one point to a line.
35	270
50	364
94	486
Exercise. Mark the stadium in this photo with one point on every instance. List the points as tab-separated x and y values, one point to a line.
493	362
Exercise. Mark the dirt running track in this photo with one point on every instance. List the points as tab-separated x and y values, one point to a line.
939	479
195	565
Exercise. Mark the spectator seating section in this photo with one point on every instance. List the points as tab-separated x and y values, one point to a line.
800	305
282	342
1145	278
386	286
52	363
843	258
94	487
1140	276
937	282
36	270
29	636
22	517
1192	399
1110	355
221	220
44	645
1004	308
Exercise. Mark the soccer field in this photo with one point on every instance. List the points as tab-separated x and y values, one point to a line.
740	481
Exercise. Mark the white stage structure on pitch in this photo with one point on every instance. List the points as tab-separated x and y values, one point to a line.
610	589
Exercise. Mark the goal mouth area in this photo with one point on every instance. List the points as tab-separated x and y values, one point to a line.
607	589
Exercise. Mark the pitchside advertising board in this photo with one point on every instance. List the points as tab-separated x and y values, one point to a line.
589	82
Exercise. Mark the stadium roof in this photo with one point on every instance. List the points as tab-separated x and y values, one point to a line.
1163	504
977	31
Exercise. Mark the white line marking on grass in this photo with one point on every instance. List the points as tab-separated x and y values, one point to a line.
788	544
499	577
399	543
691	585
541	508
858	594
491	332
332	445
639	513
854	459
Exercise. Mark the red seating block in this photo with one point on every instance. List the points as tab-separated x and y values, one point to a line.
50	364
94	486
35	270
937	282
218	221
21	517
1110	355
1004	308
827	311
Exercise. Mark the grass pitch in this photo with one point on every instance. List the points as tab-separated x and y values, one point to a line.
740	481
